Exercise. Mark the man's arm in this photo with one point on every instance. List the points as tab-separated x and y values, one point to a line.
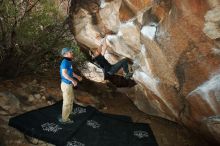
64	73
78	77
101	49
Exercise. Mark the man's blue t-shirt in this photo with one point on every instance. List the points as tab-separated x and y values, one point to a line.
66	64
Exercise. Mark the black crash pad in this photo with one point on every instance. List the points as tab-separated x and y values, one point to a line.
142	135
43	123
104	130
90	128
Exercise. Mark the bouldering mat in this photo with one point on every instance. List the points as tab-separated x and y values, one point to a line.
142	135
43	123
104	130
90	128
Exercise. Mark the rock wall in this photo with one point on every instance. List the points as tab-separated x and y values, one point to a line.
175	49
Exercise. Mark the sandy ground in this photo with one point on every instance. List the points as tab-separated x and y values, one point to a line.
167	133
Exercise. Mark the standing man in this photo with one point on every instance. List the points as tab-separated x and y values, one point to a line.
67	83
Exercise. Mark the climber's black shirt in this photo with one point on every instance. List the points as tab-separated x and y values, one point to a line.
104	64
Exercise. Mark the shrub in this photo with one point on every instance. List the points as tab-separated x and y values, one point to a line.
31	33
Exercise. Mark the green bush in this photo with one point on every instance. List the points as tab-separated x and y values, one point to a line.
31	33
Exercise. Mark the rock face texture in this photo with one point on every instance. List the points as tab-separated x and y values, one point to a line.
175	49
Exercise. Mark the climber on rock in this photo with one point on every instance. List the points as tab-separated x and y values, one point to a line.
109	69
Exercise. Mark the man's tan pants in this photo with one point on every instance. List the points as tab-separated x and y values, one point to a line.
68	97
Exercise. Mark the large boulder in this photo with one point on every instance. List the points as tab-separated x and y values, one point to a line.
175	49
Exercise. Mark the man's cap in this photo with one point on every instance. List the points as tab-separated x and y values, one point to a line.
65	50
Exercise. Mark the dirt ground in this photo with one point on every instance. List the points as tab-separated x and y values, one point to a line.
167	133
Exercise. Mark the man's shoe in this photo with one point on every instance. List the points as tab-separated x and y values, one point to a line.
68	121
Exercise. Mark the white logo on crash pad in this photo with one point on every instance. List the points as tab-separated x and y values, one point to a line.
93	124
50	127
141	134
79	110
74	143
